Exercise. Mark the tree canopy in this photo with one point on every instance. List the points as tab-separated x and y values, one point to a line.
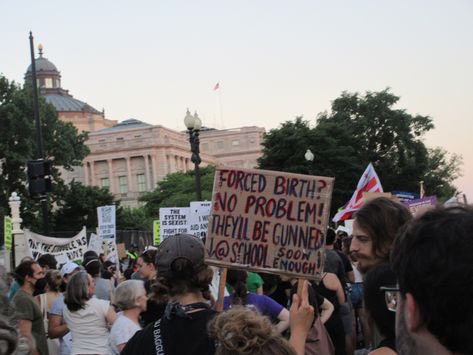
62	143
358	130
178	190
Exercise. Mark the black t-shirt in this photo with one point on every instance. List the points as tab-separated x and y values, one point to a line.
179	336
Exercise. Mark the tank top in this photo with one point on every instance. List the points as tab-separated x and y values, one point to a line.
328	294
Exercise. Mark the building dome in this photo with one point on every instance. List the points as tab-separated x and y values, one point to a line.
42	64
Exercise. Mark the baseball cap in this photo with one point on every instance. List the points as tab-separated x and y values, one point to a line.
179	246
68	268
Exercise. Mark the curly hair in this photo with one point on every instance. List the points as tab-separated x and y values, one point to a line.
241	331
180	280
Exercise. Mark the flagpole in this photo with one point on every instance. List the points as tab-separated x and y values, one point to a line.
221	106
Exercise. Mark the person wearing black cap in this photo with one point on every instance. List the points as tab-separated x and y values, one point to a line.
184	279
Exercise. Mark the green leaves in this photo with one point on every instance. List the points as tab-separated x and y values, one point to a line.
361	129
62	143
178	190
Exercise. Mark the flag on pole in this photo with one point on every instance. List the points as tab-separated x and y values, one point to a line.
369	182
422	190
217	86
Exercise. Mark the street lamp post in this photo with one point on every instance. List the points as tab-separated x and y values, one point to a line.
194	124
309	157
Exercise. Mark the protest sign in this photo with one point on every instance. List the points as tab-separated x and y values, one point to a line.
173	220
421	205
95	243
106	222
121	250
63	249
269	221
404	196
198	218
156	232
8	232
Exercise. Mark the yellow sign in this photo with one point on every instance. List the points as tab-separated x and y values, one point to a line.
8	229
156	232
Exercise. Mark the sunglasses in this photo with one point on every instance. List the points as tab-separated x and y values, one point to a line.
391	294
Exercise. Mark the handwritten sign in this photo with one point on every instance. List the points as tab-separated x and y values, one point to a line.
198	218
173	221
269	221
8	232
64	249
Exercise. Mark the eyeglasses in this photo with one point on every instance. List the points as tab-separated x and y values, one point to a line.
391	296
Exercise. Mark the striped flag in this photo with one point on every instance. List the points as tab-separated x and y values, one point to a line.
369	182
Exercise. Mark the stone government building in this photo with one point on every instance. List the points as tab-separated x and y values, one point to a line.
131	157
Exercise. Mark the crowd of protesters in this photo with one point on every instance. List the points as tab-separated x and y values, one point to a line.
393	285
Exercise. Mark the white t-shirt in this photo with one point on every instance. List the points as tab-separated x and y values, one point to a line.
88	327
122	331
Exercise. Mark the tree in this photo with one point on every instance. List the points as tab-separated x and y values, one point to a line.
77	207
134	219
361	129
63	145
178	190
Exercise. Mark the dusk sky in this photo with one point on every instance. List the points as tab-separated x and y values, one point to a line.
274	60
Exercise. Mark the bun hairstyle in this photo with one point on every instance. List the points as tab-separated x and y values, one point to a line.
242	331
54	280
237	279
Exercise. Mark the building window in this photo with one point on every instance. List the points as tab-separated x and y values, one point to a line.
235	142
220	145
48	83
141	182
105	183
120	138
205	147
123	183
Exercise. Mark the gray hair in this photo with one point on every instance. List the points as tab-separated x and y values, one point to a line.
77	291
127	292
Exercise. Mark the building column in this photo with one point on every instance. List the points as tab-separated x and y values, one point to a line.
147	176
128	169
111	188
86	174
92	173
153	167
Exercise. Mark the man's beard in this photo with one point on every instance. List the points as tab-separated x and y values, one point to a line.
405	344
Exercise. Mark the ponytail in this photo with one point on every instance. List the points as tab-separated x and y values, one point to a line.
237	280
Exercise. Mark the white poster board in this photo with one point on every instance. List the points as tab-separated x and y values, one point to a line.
173	221
63	249
199	218
106	221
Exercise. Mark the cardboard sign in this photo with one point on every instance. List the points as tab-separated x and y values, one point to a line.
8	232
156	232
198	218
63	249
420	206
106	222
269	221
121	250
173	220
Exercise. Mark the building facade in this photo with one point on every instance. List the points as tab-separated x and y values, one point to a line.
129	158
